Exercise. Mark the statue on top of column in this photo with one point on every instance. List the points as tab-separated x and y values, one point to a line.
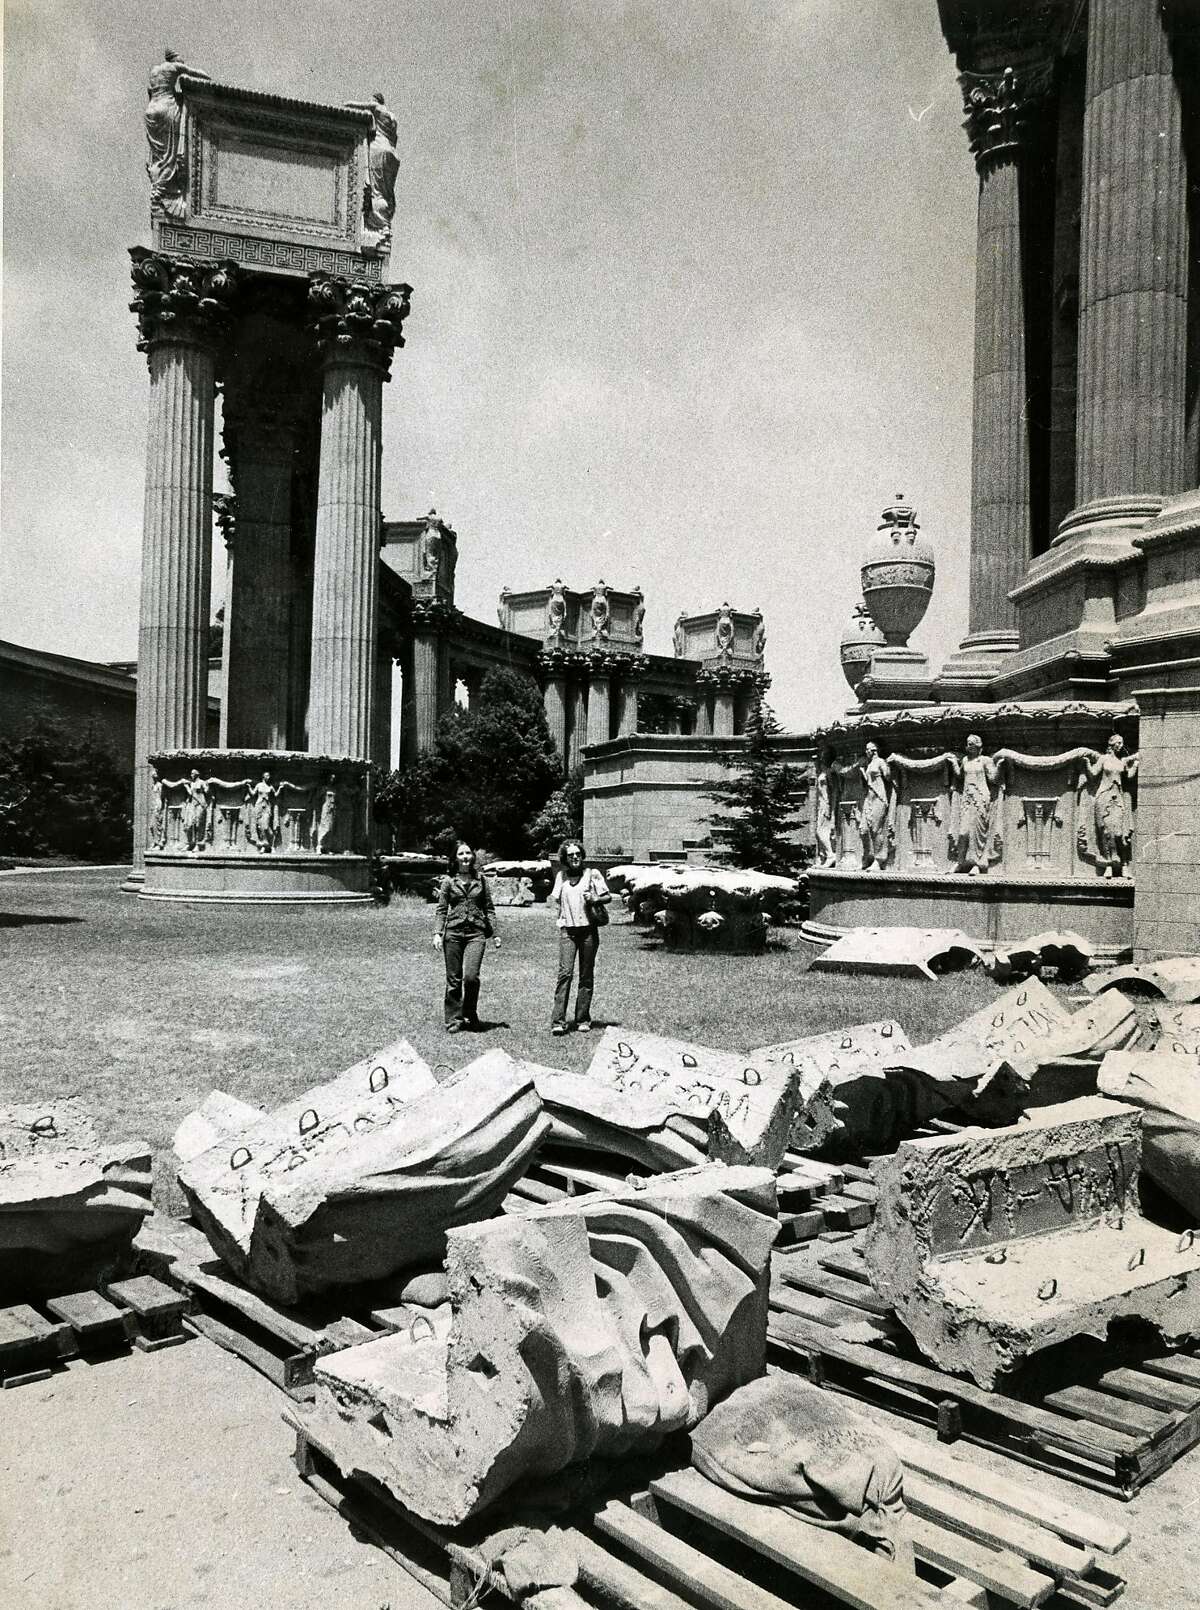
758	643
600	612
724	630
556	614
679	636
167	164
639	614
383	164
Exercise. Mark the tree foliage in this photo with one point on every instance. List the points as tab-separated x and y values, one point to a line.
489	772
757	799
62	793
561	817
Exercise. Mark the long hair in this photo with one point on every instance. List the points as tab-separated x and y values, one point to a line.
566	845
453	857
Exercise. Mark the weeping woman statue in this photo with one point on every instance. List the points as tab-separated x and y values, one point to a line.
167	166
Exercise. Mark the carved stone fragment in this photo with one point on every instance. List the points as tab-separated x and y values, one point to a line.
1174	978
996	1244
363	1175
590	1329
900	952
823	1064
69	1205
1165	1086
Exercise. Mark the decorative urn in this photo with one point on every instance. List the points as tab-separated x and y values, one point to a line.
859	642
897	574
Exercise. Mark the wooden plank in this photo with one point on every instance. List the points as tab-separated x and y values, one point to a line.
293	1374
997	1570
617	1582
538	1191
862	1190
1105	1410
279	1321
795	1228
1018	1498
852	1575
90	1316
324	1488
1173	1367
854	1293
706	1582
22	1327
961	1513
1154	1391
149	1298
587	1179
801	1163
824	1310
845	1260
844	1213
1095	1442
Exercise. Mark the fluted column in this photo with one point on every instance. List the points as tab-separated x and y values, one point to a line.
258	608
357	324
627	706
381	747
1133	260
599	705
182	308
1001	543
424	706
577	734
554	699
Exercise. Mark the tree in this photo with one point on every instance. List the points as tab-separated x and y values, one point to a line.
561	817
62	794
757	801
488	773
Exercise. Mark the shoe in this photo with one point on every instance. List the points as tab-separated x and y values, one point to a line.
453	1028
584	1027
558	1028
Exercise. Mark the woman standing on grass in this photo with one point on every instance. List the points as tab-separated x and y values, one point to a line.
465	920
581	896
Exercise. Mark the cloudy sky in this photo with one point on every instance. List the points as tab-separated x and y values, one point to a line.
692	296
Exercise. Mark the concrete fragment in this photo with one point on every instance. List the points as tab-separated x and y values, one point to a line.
1176	1030
1070	954
70	1205
995	1244
1175	979
590	1329
218	1117
823	1063
362	1176
900	952
1165	1087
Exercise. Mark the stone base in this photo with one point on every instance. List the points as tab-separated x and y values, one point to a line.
994	911
258	880
899	677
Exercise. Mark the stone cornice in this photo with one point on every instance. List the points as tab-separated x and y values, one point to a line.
181	299
355	321
1026	712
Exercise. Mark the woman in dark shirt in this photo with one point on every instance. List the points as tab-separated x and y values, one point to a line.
466	919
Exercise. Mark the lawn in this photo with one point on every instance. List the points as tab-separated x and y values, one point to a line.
141	1009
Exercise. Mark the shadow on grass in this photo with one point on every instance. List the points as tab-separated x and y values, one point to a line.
29	919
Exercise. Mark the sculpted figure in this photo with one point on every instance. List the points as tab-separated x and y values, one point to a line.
195	812
158	811
383	165
639	615
432	550
977	776
680	637
263	824
875	816
600	611
828	788
1112	772
166	164
326	815
724	629
556	613
759	641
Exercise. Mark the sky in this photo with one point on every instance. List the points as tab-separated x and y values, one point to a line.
693	287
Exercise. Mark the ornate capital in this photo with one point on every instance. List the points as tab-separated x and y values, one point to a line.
356	321
225	512
181	298
432	616
725	677
997	107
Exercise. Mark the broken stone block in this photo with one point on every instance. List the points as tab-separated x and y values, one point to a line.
590	1329
1175	979
1176	1030
995	1244
70	1205
900	952
822	1064
1068	953
1165	1087
362	1176
217	1118
664	1104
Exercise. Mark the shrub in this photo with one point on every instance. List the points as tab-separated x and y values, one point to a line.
62	794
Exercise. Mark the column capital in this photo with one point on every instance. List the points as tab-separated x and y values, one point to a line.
355	321
997	106
225	512
433	618
724	677
185	299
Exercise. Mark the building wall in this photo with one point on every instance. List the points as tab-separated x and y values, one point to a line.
646	795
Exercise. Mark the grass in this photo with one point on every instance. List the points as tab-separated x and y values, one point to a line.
140	1010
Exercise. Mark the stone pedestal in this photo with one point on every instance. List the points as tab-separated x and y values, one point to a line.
356	325
181	307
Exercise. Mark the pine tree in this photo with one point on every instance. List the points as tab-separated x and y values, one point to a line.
757	801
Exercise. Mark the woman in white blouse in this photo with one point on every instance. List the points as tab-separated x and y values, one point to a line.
581	897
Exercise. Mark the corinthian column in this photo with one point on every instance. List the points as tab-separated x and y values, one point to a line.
182	307
1133	260
1000	508
599	702
357	325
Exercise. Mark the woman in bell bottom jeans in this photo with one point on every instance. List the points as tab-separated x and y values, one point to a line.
465	921
580	894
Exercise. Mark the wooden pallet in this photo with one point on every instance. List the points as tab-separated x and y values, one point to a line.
674	1541
1113	1428
37	1339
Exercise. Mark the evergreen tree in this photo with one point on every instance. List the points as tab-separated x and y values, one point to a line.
757	801
488	773
62	794
561	817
